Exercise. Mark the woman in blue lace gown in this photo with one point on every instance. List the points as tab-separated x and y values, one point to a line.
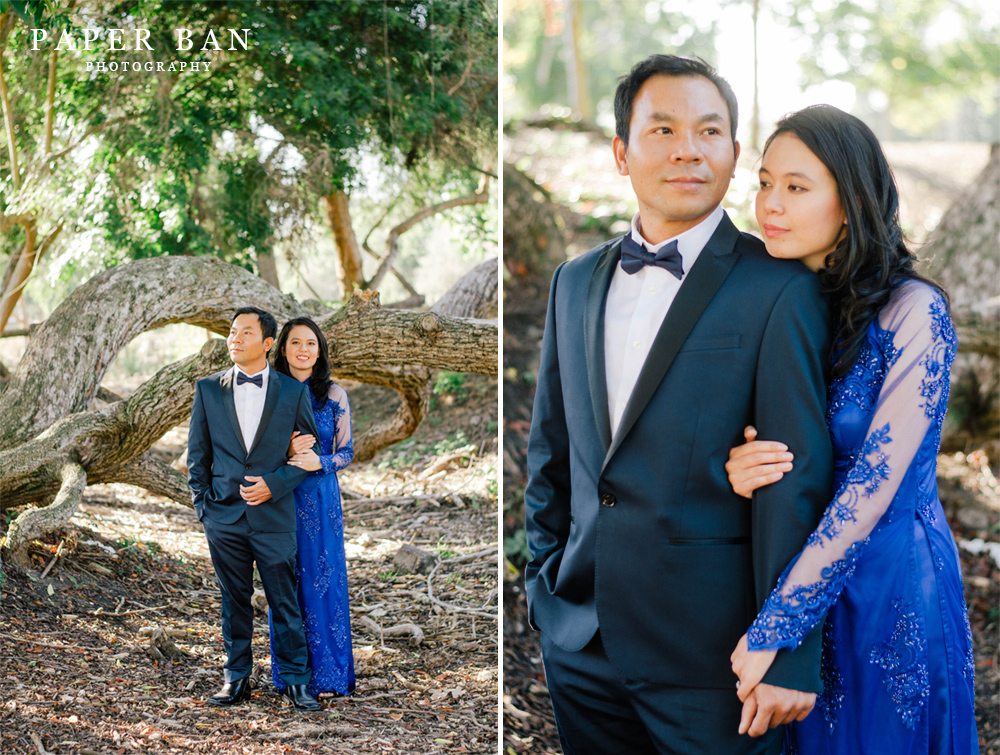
882	567
322	565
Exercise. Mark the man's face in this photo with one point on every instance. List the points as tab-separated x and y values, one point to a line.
680	154
247	346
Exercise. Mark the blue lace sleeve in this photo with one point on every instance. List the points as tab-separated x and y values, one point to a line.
342	451
911	404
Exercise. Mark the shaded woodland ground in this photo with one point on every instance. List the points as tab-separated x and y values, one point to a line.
78	673
968	490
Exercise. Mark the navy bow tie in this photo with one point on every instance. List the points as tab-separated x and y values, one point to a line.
634	256
257	379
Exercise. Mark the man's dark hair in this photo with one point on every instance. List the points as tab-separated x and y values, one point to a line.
667	65
268	325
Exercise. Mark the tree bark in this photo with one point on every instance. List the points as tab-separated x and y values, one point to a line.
961	252
475	295
35	522
19	268
8	115
348	254
267	269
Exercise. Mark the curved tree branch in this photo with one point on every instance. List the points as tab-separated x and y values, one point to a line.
391	348
35	522
392	248
150	474
125	301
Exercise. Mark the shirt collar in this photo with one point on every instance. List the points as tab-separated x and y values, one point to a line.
690	243
264	372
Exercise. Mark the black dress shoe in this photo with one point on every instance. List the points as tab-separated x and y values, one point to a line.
232	693
300	697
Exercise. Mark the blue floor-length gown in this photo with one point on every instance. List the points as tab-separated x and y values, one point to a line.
882	565
322	563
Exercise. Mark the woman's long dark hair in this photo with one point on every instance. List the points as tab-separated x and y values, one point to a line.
319	381
872	259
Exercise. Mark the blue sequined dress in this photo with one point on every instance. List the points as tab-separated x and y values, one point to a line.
882	565
322	563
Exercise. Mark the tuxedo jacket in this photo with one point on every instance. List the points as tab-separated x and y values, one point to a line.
218	460
640	534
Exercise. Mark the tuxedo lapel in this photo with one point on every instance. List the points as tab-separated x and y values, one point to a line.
700	285
270	401
226	385
593	335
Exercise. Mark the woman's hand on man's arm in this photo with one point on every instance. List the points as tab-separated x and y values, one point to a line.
757	463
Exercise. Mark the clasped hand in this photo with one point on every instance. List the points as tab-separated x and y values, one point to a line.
764	705
301	453
256	493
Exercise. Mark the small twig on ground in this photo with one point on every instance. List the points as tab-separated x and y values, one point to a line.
38	745
45	572
451	607
469	556
27	641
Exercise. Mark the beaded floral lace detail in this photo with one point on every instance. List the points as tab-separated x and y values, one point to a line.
333	462
969	666
832	697
935	387
901	658
794	607
860	385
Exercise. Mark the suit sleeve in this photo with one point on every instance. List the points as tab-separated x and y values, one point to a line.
199	457
790	406
547	495
286	478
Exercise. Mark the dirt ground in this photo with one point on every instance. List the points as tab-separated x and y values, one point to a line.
968	489
78	673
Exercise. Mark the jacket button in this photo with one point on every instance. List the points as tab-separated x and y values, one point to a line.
247	466
608	500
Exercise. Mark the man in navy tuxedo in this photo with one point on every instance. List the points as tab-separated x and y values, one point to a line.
659	348
241	426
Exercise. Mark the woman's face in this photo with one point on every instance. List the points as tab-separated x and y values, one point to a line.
302	348
798	208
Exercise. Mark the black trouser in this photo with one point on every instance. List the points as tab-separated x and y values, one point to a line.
234	548
600	712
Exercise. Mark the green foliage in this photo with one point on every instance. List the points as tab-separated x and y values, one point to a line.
230	162
515	548
452	384
408	453
614	36
925	56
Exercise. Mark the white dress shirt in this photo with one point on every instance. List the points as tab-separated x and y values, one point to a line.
249	401
636	306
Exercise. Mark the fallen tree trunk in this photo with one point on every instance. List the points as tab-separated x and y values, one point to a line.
49	425
80	340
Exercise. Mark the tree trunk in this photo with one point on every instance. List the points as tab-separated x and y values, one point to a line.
348	254
36	522
961	252
8	114
267	269
475	295
19	268
534	235
41	428
576	67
